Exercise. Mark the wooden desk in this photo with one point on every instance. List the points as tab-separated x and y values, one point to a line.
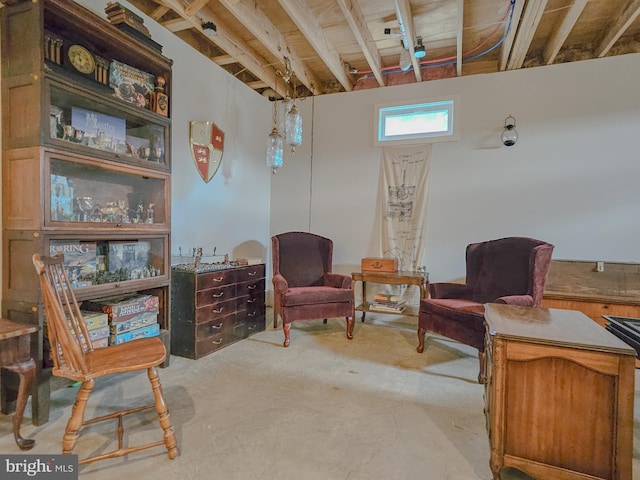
390	278
15	355
559	395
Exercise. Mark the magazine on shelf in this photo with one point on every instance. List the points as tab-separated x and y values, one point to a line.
385	308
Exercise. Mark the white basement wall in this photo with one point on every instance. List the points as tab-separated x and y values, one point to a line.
572	178
231	212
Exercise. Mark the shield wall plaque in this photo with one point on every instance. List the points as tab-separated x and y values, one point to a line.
207	144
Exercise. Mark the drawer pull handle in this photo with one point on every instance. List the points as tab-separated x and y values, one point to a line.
217	295
217	342
251	300
251	287
217	310
216	327
253	274
251	314
220	279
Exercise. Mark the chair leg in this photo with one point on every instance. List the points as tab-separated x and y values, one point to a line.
350	323
275	318
77	417
482	375
286	327
324	321
421	333
163	414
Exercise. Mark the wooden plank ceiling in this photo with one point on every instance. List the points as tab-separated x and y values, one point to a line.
327	46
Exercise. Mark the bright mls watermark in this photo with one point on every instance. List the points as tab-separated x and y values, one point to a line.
49	467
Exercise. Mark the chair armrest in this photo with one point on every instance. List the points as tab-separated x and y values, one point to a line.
337	280
524	300
450	290
280	285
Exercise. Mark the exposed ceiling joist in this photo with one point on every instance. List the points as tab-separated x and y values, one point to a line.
254	19
355	19
560	34
518	7
306	21
405	19
231	44
620	26
459	32
253	37
532	14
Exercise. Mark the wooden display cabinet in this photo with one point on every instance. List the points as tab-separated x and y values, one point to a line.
86	163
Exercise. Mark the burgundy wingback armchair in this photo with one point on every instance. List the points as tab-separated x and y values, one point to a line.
304	287
509	270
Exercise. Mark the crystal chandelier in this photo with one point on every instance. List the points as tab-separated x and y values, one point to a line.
275	150
292	125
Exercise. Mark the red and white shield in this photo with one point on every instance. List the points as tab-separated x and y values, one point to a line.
207	144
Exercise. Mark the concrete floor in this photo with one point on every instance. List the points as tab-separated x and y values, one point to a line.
325	408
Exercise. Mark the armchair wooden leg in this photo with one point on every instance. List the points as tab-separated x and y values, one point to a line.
275	318
421	333
350	323
482	376
286	327
77	417
163	414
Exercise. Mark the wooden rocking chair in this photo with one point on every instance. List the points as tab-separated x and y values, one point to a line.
74	358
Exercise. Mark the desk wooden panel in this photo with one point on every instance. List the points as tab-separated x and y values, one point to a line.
559	395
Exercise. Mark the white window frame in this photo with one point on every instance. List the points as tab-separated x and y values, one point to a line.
450	104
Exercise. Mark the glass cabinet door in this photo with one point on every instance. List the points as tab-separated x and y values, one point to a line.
111	129
94	262
84	191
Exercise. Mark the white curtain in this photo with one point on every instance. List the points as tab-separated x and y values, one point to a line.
402	204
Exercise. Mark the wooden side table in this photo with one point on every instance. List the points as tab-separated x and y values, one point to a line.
390	278
15	355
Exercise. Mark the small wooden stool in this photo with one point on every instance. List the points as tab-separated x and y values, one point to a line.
15	355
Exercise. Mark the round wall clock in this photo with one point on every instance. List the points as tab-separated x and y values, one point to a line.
81	59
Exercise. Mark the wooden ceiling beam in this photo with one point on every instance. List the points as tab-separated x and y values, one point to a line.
195	6
527	28
177	25
630	13
357	22
224	60
505	51
561	33
256	21
306	21
159	12
231	44
405	19
459	32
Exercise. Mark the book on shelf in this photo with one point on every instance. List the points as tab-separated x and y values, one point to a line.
376	307
387	297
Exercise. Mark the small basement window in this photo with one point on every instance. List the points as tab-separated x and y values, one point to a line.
432	121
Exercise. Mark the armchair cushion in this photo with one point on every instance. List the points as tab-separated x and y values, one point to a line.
523	300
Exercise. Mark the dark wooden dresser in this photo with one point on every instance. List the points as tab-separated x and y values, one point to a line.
210	310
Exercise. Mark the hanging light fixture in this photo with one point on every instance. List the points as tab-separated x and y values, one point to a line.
509	135
293	125
275	149
419	51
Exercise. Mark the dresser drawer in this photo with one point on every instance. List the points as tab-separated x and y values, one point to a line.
250	288
216	327
215	279
216	311
212	296
214	342
250	273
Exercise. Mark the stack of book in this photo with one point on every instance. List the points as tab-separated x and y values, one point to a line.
387	303
130	316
